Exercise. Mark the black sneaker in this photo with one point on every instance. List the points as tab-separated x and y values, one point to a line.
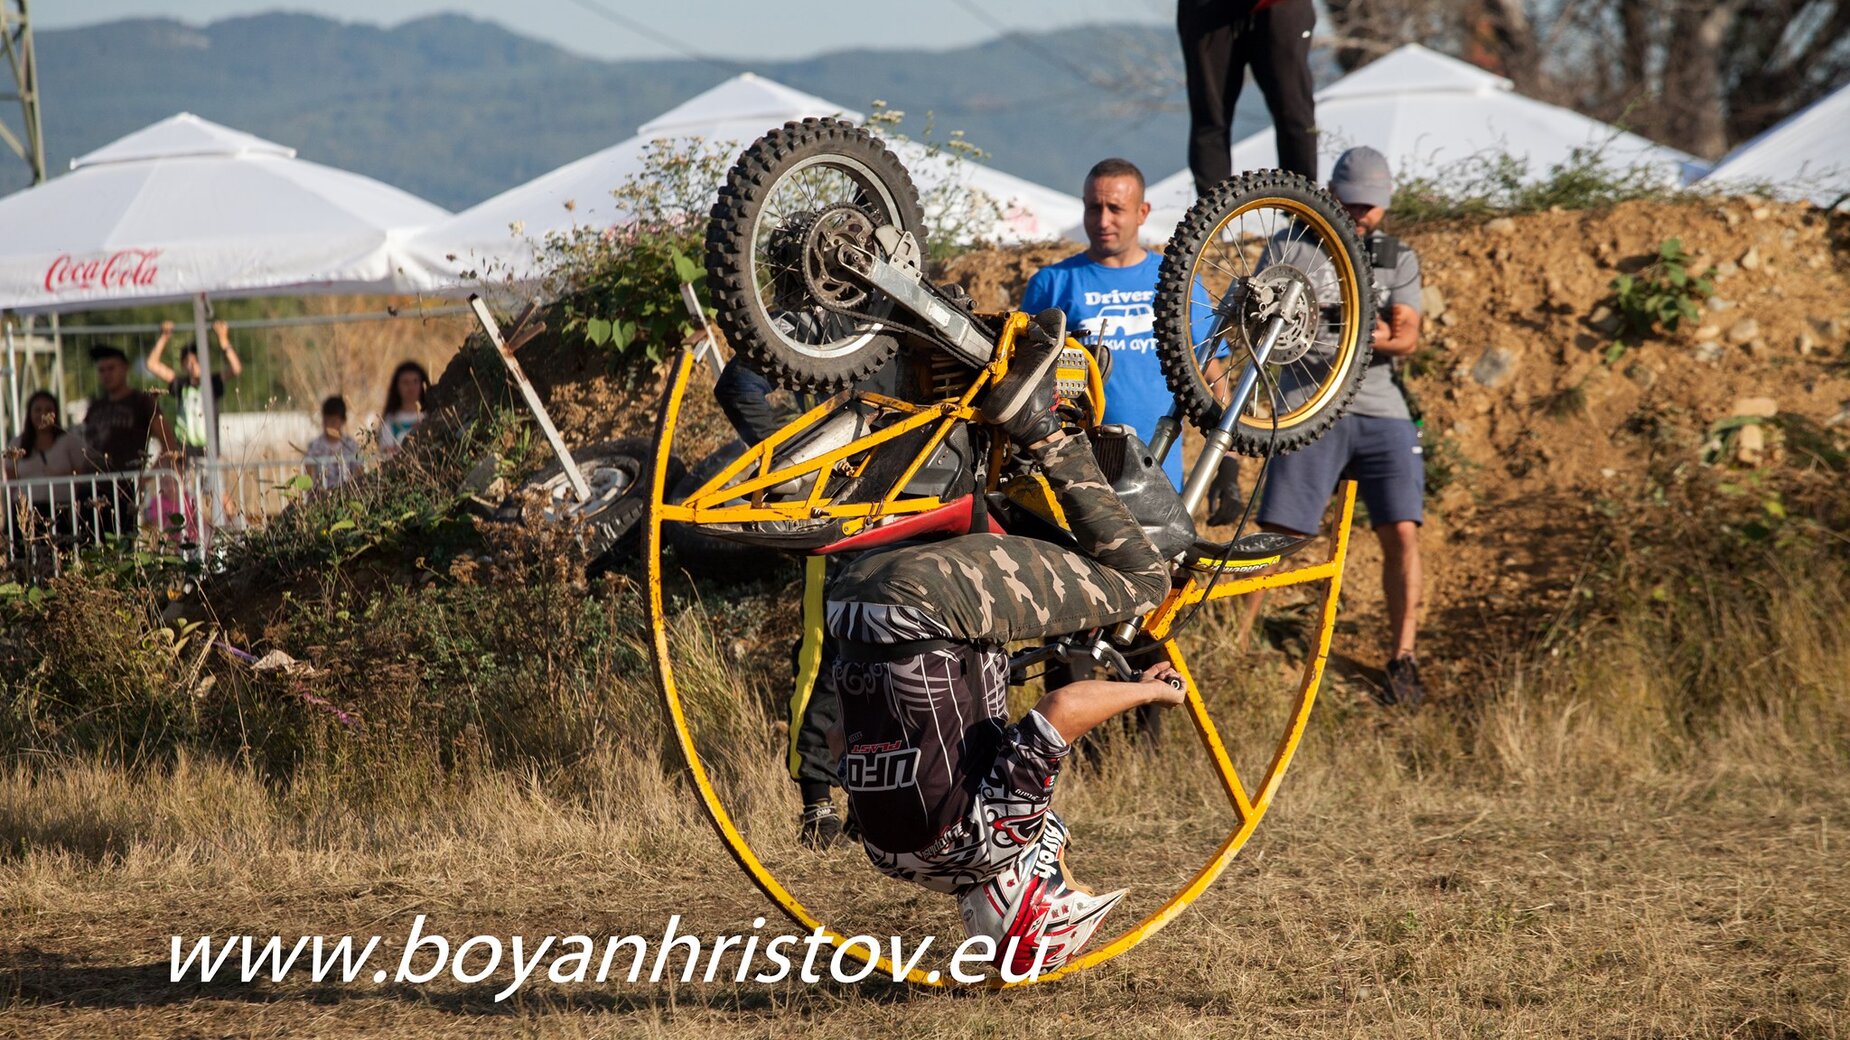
1403	682
1022	402
819	827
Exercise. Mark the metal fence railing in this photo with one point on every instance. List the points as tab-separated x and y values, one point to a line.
47	519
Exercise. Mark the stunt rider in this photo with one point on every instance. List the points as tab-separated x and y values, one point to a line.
950	795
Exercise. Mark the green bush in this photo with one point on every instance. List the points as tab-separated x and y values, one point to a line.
620	286
1497	183
1659	297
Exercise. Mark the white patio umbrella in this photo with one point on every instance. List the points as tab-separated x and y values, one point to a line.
497	237
741	109
1426	111
187	208
1807	155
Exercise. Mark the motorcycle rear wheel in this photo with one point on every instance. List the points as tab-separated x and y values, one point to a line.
789	204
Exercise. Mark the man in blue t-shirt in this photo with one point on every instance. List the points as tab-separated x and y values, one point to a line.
1108	293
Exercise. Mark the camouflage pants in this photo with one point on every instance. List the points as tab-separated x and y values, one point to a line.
929	767
986	588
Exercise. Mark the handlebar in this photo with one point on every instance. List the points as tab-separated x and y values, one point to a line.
1067	650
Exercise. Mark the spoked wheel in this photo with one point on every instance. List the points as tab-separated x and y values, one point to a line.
616	472
1230	268
800	200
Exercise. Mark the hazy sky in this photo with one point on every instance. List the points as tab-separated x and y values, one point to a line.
724	28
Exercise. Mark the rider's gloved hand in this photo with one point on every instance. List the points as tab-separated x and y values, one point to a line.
1225	503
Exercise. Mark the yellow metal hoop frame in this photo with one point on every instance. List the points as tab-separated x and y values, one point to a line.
1248	807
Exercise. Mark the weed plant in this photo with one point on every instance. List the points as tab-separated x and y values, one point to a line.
1493	184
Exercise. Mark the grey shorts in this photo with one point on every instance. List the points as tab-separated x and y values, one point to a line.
1383	457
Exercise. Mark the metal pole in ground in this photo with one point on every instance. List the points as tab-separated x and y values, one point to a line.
708	347
506	347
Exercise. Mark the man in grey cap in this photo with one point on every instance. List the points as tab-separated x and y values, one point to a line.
1377	441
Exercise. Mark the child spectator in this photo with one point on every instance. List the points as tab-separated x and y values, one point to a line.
404	406
333	457
168	509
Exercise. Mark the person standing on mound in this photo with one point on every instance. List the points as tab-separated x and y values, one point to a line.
948	795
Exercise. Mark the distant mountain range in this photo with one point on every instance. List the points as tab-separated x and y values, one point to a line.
455	109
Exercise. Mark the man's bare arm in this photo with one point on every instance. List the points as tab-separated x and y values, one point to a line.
156	367
1075	709
233	366
1399	335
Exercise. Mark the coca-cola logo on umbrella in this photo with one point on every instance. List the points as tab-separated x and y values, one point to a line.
122	269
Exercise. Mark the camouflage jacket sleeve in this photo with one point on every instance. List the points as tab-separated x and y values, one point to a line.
987	588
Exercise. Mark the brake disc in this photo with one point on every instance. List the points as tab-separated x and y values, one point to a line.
1265	298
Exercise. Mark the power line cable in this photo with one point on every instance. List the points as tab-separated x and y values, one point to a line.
646	32
1027	43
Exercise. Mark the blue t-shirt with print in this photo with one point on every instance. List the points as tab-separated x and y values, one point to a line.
1116	305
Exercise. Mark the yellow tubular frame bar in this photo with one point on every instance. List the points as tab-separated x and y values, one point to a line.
1248	807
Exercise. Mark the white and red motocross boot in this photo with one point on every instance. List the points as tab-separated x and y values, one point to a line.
1037	915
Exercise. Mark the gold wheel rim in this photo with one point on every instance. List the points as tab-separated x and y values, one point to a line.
1351	306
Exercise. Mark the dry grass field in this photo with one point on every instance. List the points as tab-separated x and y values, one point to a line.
1564	865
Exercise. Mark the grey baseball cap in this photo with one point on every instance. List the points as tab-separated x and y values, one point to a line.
1361	178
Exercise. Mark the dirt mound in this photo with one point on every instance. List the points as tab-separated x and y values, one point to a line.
592	397
995	278
1531	434
1544	436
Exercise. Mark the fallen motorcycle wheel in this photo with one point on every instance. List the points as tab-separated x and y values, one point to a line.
617	474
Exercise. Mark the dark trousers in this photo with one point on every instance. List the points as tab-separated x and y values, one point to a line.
1219	43
743	395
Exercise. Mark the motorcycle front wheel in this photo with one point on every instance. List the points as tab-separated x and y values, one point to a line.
1228	272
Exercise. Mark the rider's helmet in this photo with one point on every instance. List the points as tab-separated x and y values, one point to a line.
1034	910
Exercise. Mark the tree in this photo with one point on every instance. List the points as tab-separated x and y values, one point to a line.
1700	76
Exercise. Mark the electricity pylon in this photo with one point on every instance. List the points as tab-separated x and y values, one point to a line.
22	62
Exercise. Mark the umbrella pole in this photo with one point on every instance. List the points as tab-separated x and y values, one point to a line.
12	383
203	349
57	368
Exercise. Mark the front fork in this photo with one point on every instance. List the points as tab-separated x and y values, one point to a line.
1169	429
